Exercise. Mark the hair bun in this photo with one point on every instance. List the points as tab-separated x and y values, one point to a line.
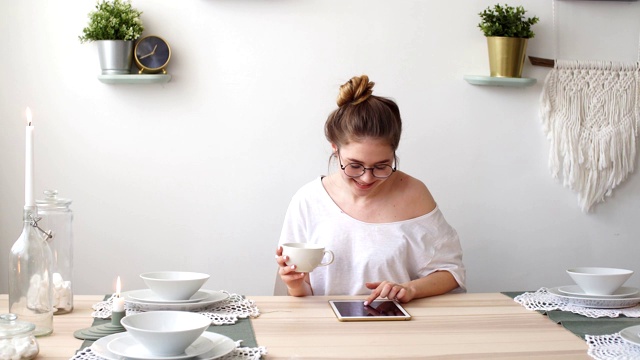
355	91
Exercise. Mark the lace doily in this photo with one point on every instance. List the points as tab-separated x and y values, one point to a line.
611	347
543	300
240	353
225	312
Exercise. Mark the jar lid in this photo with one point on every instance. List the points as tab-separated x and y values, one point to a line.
52	200
10	326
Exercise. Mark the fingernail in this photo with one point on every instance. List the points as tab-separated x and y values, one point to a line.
293	267
276	256
366	303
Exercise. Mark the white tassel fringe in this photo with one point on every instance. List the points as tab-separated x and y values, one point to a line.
590	113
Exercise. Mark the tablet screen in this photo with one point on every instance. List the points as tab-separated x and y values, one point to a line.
378	310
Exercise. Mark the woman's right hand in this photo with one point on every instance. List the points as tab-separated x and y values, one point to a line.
298	283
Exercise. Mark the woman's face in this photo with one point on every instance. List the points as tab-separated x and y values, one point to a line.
368	152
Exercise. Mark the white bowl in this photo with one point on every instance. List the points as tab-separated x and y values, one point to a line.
599	280
174	285
166	333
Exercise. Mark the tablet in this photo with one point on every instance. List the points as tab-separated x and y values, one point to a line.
355	310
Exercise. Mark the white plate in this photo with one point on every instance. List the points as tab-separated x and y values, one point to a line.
130	348
596	303
222	345
577	291
148	296
213	298
631	334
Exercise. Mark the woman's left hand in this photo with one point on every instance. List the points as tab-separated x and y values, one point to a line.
389	290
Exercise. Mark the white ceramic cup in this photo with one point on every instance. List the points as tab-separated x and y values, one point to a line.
306	257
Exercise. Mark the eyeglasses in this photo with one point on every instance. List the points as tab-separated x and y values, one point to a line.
355	170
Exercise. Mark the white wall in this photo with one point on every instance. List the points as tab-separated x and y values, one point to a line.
196	174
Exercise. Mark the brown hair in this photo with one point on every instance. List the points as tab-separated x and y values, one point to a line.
361	114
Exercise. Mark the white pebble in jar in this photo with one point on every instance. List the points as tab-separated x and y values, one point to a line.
62	294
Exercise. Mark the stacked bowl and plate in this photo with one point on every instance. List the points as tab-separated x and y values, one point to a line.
164	322
598	287
602	288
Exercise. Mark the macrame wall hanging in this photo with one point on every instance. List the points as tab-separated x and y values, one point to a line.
590	114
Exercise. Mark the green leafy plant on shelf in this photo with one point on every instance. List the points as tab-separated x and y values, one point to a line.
506	21
113	20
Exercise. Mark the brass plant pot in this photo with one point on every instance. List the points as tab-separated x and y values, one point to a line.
506	56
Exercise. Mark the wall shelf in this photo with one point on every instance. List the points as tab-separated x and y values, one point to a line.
135	78
499	81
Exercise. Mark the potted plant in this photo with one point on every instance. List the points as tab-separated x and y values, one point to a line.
114	25
507	31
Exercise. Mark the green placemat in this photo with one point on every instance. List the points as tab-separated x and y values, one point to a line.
241	330
582	325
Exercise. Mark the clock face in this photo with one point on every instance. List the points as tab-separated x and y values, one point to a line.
153	53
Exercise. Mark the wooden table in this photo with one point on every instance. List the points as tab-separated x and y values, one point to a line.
456	326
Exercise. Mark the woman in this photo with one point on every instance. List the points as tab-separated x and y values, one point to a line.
389	238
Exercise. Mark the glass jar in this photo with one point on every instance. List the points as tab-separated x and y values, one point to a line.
57	217
30	290
16	339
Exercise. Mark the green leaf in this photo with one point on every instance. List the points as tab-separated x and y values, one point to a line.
507	21
113	20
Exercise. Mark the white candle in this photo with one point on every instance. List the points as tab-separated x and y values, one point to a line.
28	163
118	301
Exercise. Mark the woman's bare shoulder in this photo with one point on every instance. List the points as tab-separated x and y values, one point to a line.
415	194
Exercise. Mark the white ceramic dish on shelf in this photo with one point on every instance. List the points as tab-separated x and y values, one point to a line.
222	346
213	298
575	290
597	302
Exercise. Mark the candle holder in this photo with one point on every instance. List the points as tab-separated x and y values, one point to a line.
100	331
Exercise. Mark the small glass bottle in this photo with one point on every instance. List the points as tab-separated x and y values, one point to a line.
57	217
30	290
